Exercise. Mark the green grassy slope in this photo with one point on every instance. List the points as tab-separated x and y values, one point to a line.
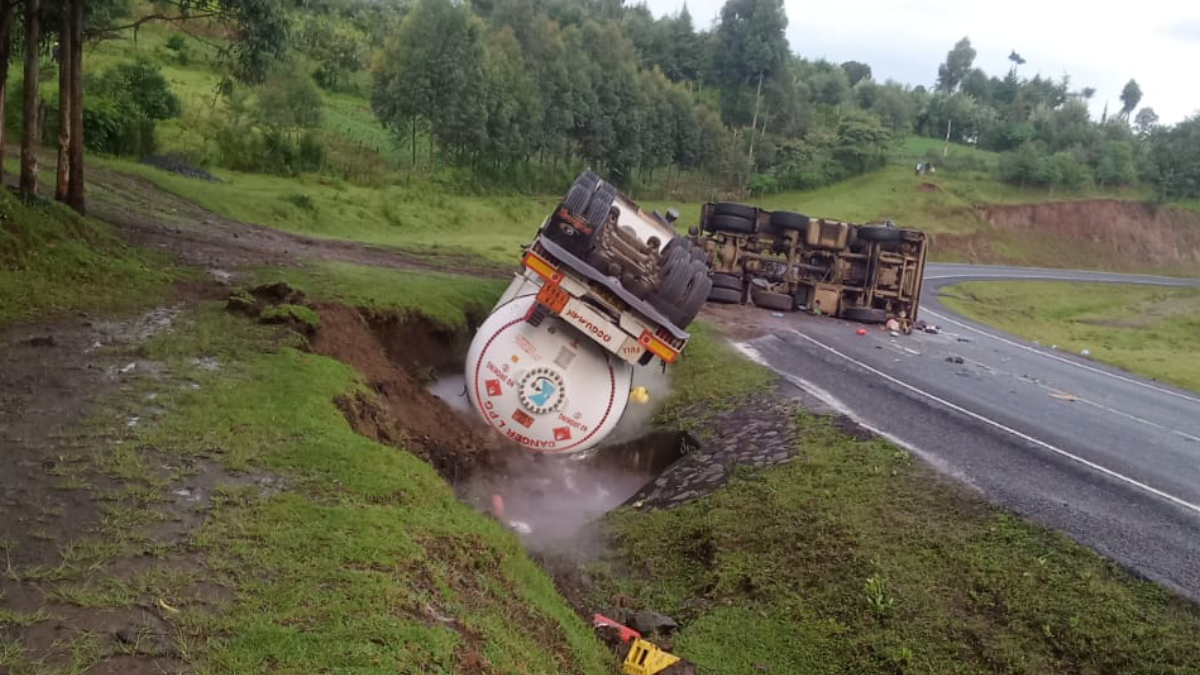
51	260
1145	330
854	558
366	562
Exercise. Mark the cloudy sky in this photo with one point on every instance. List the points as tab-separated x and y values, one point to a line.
1101	45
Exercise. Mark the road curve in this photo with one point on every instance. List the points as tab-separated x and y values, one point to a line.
1110	458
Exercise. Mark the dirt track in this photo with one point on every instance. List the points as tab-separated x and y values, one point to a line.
154	218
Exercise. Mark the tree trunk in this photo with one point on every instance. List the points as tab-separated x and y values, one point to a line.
65	62
7	16
413	164
946	147
29	139
76	188
754	128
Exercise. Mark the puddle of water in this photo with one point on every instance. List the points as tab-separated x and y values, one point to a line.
451	387
548	501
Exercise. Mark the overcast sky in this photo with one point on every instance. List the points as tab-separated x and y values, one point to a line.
1101	45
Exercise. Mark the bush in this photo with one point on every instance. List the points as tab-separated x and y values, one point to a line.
117	128
176	43
245	147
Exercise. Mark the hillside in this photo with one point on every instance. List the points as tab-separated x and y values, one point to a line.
365	191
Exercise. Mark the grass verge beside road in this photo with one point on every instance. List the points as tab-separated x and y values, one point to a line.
856	559
1147	330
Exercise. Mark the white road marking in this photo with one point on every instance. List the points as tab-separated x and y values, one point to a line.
834	402
1023	436
1121	413
1128	380
966	277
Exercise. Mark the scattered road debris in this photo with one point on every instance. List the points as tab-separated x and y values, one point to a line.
1063	396
954	359
861	331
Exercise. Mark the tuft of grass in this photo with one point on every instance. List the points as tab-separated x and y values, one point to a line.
10	618
369	563
853	558
1146	330
52	260
447	299
288	313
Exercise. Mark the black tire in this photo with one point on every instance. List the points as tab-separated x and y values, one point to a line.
699	286
878	233
864	314
675	242
731	281
673	282
577	199
738	210
601	207
700	255
727	296
786	220
731	224
779	302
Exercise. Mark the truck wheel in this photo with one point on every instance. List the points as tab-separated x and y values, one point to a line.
731	224
727	296
600	207
727	281
737	210
577	199
786	220
673	280
698	289
676	242
878	233
779	302
864	314
700	255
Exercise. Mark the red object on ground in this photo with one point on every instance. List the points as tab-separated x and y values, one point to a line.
626	633
498	505
862	331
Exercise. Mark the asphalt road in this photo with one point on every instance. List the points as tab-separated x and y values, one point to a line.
1108	457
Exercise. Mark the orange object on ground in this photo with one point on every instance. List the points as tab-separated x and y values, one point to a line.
861	331
625	633
498	505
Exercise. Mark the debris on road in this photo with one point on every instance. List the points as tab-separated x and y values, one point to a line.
1063	397
861	331
954	359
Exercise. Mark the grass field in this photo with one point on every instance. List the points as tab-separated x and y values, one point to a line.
1143	329
854	558
445	298
52	261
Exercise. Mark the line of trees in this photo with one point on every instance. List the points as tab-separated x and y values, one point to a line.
504	83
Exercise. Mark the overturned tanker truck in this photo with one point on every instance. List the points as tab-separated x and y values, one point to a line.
604	287
607	286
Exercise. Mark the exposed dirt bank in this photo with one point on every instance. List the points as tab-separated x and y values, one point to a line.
1101	234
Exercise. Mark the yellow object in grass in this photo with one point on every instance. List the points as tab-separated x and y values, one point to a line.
646	659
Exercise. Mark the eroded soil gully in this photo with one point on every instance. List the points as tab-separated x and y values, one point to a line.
548	501
404	359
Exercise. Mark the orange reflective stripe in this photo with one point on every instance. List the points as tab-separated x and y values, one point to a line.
544	269
657	347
